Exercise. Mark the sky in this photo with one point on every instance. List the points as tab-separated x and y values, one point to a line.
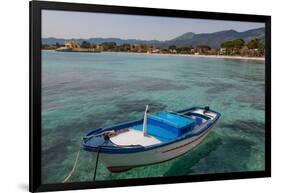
70	24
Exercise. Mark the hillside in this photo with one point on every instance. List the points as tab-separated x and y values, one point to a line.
214	40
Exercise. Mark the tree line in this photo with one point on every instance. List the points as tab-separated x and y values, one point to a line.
239	47
254	47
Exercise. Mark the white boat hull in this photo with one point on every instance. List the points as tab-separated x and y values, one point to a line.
122	162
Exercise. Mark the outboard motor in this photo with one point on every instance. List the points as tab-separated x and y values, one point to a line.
206	109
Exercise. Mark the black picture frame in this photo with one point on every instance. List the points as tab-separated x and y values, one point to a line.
35	184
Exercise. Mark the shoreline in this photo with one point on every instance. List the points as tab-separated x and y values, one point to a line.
217	56
183	55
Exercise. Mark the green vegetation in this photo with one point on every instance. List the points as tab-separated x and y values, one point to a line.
252	48
125	47
203	47
85	44
238	47
172	47
184	50
255	44
110	46
234	44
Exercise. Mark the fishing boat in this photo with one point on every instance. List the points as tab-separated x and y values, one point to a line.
153	139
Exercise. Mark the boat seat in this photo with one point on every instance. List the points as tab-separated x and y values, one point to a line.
134	137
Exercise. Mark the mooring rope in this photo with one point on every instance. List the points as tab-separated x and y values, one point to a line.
73	168
96	164
76	161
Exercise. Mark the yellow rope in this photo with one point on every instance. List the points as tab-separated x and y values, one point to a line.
73	169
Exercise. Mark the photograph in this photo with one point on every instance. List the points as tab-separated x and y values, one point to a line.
127	96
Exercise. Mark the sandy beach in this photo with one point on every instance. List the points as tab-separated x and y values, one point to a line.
230	57
202	56
216	56
193	55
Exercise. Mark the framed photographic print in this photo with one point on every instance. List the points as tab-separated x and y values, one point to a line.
124	96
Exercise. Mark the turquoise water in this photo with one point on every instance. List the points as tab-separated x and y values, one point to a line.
81	91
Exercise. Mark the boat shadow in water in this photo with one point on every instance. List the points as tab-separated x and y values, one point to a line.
183	165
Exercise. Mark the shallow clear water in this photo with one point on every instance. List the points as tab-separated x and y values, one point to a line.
81	91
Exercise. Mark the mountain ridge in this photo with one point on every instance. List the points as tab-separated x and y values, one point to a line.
213	39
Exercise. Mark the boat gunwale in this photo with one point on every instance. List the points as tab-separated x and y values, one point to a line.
139	148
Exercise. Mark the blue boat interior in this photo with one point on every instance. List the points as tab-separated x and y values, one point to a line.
166	126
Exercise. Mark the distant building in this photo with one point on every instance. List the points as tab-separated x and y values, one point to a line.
99	47
72	44
192	51
222	51
153	51
69	46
